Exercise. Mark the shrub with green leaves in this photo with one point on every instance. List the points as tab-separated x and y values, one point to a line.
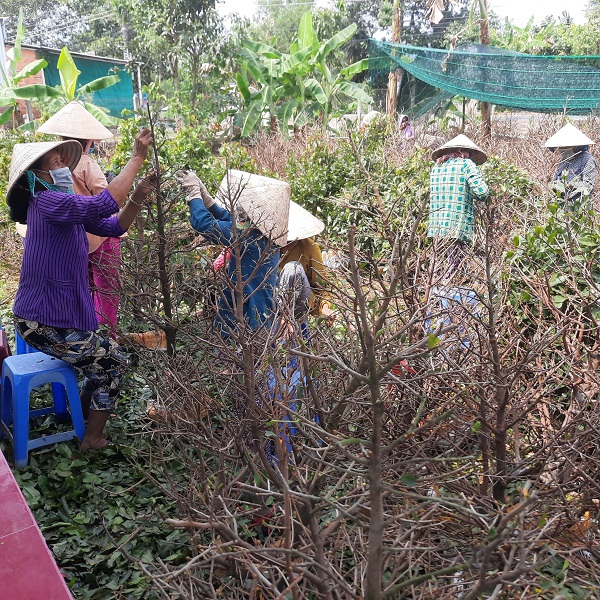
561	256
329	179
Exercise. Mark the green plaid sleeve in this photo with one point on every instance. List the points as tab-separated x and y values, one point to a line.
479	188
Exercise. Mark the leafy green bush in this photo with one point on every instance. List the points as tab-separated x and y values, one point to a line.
328	179
560	255
191	147
507	181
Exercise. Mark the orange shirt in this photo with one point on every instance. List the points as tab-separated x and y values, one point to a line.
88	178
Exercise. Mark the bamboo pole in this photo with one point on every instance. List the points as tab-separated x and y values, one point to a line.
486	107
392	91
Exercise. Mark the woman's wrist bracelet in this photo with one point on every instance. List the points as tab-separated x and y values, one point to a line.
136	203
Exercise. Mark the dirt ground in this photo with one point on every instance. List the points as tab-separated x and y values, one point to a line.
11	252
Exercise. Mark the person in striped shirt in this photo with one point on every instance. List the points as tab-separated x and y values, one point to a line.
74	122
455	182
53	309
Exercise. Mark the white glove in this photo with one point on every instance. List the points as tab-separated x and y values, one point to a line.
193	187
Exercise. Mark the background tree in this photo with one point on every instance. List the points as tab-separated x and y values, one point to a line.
103	31
293	87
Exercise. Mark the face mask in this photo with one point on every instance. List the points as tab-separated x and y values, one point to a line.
62	178
65	181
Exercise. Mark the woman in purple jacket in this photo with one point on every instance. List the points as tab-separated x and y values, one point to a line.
54	311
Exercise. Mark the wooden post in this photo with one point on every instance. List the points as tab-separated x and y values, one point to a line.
392	92
486	107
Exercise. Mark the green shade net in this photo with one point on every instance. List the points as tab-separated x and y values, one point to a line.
512	79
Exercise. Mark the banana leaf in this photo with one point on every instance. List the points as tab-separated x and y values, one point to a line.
242	86
7	96
264	49
68	73
37	91
33	68
354	68
31	126
315	88
252	117
98	84
102	115
307	38
333	43
6	115
354	91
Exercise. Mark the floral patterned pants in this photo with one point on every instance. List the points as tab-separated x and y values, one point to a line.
96	356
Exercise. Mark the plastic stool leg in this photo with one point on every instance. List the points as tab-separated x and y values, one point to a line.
60	402
6	406
21	345
75	406
21	424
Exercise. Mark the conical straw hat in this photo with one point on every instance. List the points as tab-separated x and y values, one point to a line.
461	142
265	200
24	155
567	137
302	224
74	121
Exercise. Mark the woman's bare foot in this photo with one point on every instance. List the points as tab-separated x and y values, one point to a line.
99	444
94	438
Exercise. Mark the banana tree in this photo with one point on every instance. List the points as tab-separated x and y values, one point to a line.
279	77
330	89
296	86
10	91
9	88
68	90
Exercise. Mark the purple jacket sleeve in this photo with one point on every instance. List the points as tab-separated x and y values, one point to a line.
58	207
95	213
106	227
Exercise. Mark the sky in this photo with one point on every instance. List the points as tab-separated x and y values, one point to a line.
519	11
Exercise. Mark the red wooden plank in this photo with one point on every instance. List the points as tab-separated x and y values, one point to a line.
27	568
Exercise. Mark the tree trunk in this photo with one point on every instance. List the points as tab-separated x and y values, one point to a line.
486	107
194	94
163	274
392	92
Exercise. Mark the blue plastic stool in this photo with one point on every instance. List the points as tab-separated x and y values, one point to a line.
58	391
20	375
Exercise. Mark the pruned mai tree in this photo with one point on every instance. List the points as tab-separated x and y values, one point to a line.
432	441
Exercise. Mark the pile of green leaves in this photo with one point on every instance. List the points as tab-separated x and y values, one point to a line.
101	512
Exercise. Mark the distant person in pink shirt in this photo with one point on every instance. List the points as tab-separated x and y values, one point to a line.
74	122
405	128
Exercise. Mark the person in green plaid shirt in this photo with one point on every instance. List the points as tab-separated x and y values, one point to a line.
454	183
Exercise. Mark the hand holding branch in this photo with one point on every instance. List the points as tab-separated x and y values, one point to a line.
194	188
142	143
